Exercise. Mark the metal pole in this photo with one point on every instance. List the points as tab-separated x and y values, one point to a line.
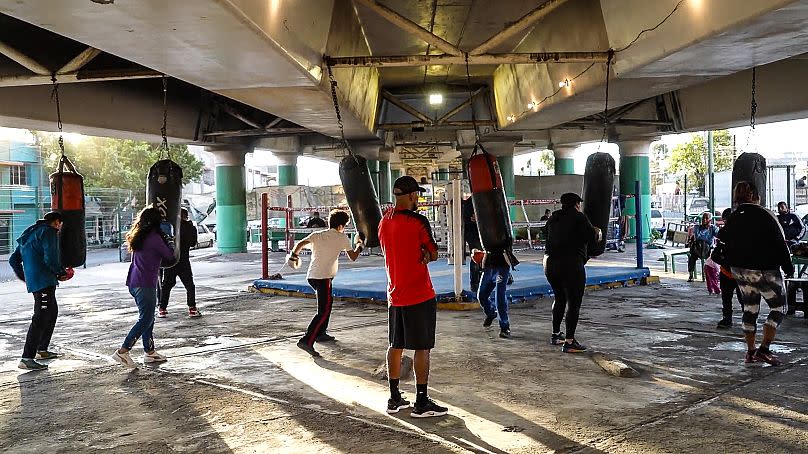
710	171
290	219
685	198
264	236
457	234
638	221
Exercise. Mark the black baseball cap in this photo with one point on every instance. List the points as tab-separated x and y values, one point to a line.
570	198
406	185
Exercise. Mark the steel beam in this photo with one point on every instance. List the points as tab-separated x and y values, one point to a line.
259	132
411	27
486	59
520	25
446	124
80	76
24	60
462	106
405	107
238	116
79	61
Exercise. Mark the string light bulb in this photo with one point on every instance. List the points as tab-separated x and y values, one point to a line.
532	105
511	118
565	83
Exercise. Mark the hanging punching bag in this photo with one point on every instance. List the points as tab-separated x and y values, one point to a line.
163	191
362	199
490	205
67	197
597	195
750	167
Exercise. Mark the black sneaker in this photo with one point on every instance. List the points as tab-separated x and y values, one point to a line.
557	338
394	405
307	348
505	334
725	323
573	347
30	364
325	338
488	320
428	409
766	356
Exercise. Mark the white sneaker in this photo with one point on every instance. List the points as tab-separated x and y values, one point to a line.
154	357
124	359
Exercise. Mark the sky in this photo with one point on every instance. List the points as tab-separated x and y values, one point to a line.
784	140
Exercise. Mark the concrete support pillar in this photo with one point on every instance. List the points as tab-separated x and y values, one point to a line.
385	186
231	199
287	169
563	156
635	165
508	178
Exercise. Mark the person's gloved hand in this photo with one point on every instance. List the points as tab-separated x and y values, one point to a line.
293	260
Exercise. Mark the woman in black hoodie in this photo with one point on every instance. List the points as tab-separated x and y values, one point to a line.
756	250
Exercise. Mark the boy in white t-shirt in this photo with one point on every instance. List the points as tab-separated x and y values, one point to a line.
326	247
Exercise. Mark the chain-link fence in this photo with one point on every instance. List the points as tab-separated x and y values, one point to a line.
109	213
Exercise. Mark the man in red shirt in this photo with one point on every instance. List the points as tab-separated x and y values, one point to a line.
408	246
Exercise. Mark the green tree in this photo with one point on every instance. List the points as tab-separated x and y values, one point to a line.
691	158
115	163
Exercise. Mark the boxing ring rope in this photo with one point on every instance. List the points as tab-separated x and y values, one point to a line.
454	234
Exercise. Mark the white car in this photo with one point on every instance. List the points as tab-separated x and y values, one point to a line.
657	220
204	237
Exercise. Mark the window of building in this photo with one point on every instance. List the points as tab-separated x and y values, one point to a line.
18	176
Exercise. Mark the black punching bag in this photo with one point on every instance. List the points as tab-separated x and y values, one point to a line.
750	167
163	191
598	189
67	197
362	199
490	204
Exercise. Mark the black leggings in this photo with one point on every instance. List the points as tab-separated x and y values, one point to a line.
42	323
318	325
568	279
728	287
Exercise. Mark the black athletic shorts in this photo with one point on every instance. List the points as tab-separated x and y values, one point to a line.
413	327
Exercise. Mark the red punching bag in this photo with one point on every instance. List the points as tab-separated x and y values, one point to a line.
67	197
490	204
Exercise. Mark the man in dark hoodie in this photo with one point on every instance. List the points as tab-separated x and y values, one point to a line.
188	239
756	250
36	261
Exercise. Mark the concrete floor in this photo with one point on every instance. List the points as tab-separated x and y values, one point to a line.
235	382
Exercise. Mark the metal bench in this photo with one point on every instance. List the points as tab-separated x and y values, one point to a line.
671	254
792	285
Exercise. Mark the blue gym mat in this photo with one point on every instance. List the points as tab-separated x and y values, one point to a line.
371	282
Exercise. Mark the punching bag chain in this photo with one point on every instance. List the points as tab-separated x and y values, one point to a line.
606	105
471	103
333	83
55	96
753	114
164	145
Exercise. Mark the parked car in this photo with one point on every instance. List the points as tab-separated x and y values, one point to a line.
205	237
657	220
697	206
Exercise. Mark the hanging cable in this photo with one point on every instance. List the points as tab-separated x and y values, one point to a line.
333	83
55	96
164	146
647	30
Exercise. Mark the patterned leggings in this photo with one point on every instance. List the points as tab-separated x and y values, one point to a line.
754	284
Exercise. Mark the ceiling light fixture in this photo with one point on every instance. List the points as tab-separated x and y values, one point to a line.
435	99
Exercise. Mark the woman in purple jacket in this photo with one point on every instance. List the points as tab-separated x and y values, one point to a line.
149	246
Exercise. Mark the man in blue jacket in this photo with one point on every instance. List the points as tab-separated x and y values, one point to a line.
37	262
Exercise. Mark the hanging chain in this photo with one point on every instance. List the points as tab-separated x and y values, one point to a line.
55	96
753	114
333	83
752	119
471	102
164	145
